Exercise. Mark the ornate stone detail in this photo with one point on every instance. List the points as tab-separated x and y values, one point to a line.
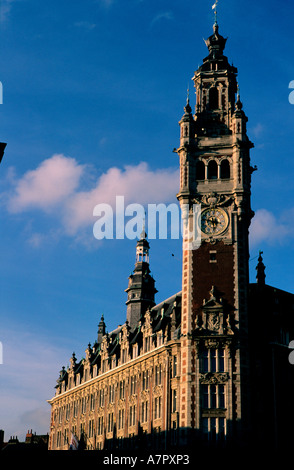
144	394
213	199
157	390
212	343
213	321
212	378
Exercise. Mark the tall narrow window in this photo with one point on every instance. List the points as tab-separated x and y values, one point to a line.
110	422
213	396
144	413
200	171
221	396
205	360
158	375
174	366
225	169
121	415
92	402
174	400
213	360
212	170
122	389
213	98
221	360
132	415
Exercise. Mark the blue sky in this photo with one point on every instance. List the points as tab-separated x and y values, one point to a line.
92	95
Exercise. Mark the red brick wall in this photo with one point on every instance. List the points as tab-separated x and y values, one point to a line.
206	274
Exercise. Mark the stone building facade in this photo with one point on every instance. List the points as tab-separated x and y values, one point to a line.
179	373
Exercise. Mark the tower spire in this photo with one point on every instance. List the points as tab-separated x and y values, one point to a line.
143	235
214	7
141	286
188	95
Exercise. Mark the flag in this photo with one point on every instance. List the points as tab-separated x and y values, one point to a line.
74	443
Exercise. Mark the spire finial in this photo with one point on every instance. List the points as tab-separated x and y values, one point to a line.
143	233
260	268
214	7
188	108
238	104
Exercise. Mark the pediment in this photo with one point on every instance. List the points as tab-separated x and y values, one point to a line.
215	302
212	304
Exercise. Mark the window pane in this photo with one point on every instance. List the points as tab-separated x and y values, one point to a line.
213	428
205	360
205	426
221	428
212	396
212	360
221	393
221	360
205	396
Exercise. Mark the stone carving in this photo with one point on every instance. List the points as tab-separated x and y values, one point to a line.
214	378
213	199
213	320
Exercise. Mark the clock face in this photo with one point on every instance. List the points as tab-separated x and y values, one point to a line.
213	221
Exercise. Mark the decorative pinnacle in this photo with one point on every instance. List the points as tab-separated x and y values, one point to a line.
260	268
188	95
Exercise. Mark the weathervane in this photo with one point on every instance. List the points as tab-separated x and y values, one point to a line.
214	7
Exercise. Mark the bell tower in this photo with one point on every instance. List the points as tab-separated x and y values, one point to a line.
141	288
215	177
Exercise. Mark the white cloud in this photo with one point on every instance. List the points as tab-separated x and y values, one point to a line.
52	182
268	228
136	183
55	187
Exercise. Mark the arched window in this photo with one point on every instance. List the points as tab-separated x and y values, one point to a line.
213	98
225	169
212	170
200	171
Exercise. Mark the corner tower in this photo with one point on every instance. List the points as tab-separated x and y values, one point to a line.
215	176
141	289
